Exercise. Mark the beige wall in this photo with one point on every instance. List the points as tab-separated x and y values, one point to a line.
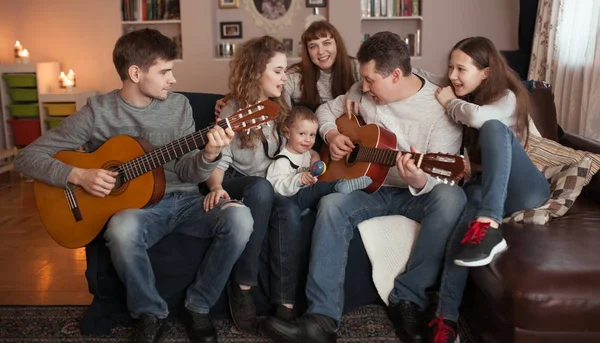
81	34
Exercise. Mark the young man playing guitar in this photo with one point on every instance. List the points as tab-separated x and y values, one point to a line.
145	107
391	96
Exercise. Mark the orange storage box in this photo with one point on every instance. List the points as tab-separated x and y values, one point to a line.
25	131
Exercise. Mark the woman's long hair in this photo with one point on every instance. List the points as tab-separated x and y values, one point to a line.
248	64
500	78
343	67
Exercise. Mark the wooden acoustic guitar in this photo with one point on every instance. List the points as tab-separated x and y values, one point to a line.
375	152
73	217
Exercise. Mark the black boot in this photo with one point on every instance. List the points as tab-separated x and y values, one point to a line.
200	329
150	329
243	311
407	320
311	328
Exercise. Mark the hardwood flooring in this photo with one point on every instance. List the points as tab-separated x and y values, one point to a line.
35	270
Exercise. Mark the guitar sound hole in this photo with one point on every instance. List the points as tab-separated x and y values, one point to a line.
353	154
119	183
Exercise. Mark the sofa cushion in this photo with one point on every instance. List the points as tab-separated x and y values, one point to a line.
566	183
548	279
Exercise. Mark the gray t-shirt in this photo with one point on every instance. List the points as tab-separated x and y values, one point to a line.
106	116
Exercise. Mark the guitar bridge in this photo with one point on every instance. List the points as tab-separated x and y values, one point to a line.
72	201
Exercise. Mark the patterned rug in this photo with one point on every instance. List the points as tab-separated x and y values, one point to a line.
61	324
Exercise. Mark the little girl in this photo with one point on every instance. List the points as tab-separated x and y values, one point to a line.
489	99
290	174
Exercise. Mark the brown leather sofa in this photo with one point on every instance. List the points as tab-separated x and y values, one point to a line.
546	286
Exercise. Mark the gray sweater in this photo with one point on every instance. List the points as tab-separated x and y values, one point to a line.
248	161
419	121
106	116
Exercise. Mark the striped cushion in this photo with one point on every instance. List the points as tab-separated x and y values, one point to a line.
547	153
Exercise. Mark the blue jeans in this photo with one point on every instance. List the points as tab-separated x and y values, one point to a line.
130	233
309	196
282	218
510	182
339	214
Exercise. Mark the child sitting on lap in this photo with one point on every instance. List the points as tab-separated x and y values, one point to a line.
290	171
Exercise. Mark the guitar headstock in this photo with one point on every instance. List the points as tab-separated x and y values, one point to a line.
253	116
445	167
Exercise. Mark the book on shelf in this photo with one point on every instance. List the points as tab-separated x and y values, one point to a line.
390	8
150	10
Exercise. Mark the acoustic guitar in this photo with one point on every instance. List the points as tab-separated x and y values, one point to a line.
73	217
375	152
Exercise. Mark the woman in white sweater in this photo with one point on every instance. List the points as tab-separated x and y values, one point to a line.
486	96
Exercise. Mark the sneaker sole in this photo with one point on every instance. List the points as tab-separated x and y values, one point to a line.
500	247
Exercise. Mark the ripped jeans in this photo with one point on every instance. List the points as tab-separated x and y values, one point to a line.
130	233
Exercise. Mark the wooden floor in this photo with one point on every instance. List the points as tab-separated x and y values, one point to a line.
34	270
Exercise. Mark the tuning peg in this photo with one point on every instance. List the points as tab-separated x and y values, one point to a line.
452	183
247	131
445	181
258	127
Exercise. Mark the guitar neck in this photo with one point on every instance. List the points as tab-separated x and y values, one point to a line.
380	156
158	157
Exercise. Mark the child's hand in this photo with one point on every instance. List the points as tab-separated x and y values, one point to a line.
212	199
219	107
307	179
445	95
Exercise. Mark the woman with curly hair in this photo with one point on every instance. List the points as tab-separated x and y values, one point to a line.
257	74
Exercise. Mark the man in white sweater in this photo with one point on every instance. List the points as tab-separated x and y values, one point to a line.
395	98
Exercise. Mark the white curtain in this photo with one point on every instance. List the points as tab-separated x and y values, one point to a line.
570	61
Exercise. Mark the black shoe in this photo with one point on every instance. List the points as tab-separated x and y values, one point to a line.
243	311
443	331
480	245
150	329
284	313
311	328
407	320
200	329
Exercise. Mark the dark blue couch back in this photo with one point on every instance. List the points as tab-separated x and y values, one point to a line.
203	107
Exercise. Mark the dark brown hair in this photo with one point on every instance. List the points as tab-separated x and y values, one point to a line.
388	51
142	48
248	63
500	78
343	69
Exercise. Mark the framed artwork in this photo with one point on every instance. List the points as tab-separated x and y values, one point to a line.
224	4
288	45
316	3
272	15
231	29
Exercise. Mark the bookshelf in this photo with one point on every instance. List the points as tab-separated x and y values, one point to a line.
162	15
403	17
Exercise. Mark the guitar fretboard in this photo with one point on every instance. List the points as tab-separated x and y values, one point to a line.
380	156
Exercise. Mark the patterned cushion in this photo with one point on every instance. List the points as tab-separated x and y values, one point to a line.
566	183
547	153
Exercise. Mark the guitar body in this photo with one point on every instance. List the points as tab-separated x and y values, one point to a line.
369	135
53	204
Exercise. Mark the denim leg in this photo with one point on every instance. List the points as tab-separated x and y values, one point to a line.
129	234
454	277
337	217
256	193
437	211
511	182
230	226
309	196
284	238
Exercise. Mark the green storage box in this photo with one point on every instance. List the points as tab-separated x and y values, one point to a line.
20	80
53	122
24	110
23	94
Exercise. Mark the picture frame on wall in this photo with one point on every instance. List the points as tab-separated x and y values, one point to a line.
288	45
316	3
225	4
231	29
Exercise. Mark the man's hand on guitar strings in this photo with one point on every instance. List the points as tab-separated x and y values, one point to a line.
408	170
339	145
217	140
212	199
97	182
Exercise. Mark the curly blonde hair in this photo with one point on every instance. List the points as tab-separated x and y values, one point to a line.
248	63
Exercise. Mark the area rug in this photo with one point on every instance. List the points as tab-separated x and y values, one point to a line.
61	324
